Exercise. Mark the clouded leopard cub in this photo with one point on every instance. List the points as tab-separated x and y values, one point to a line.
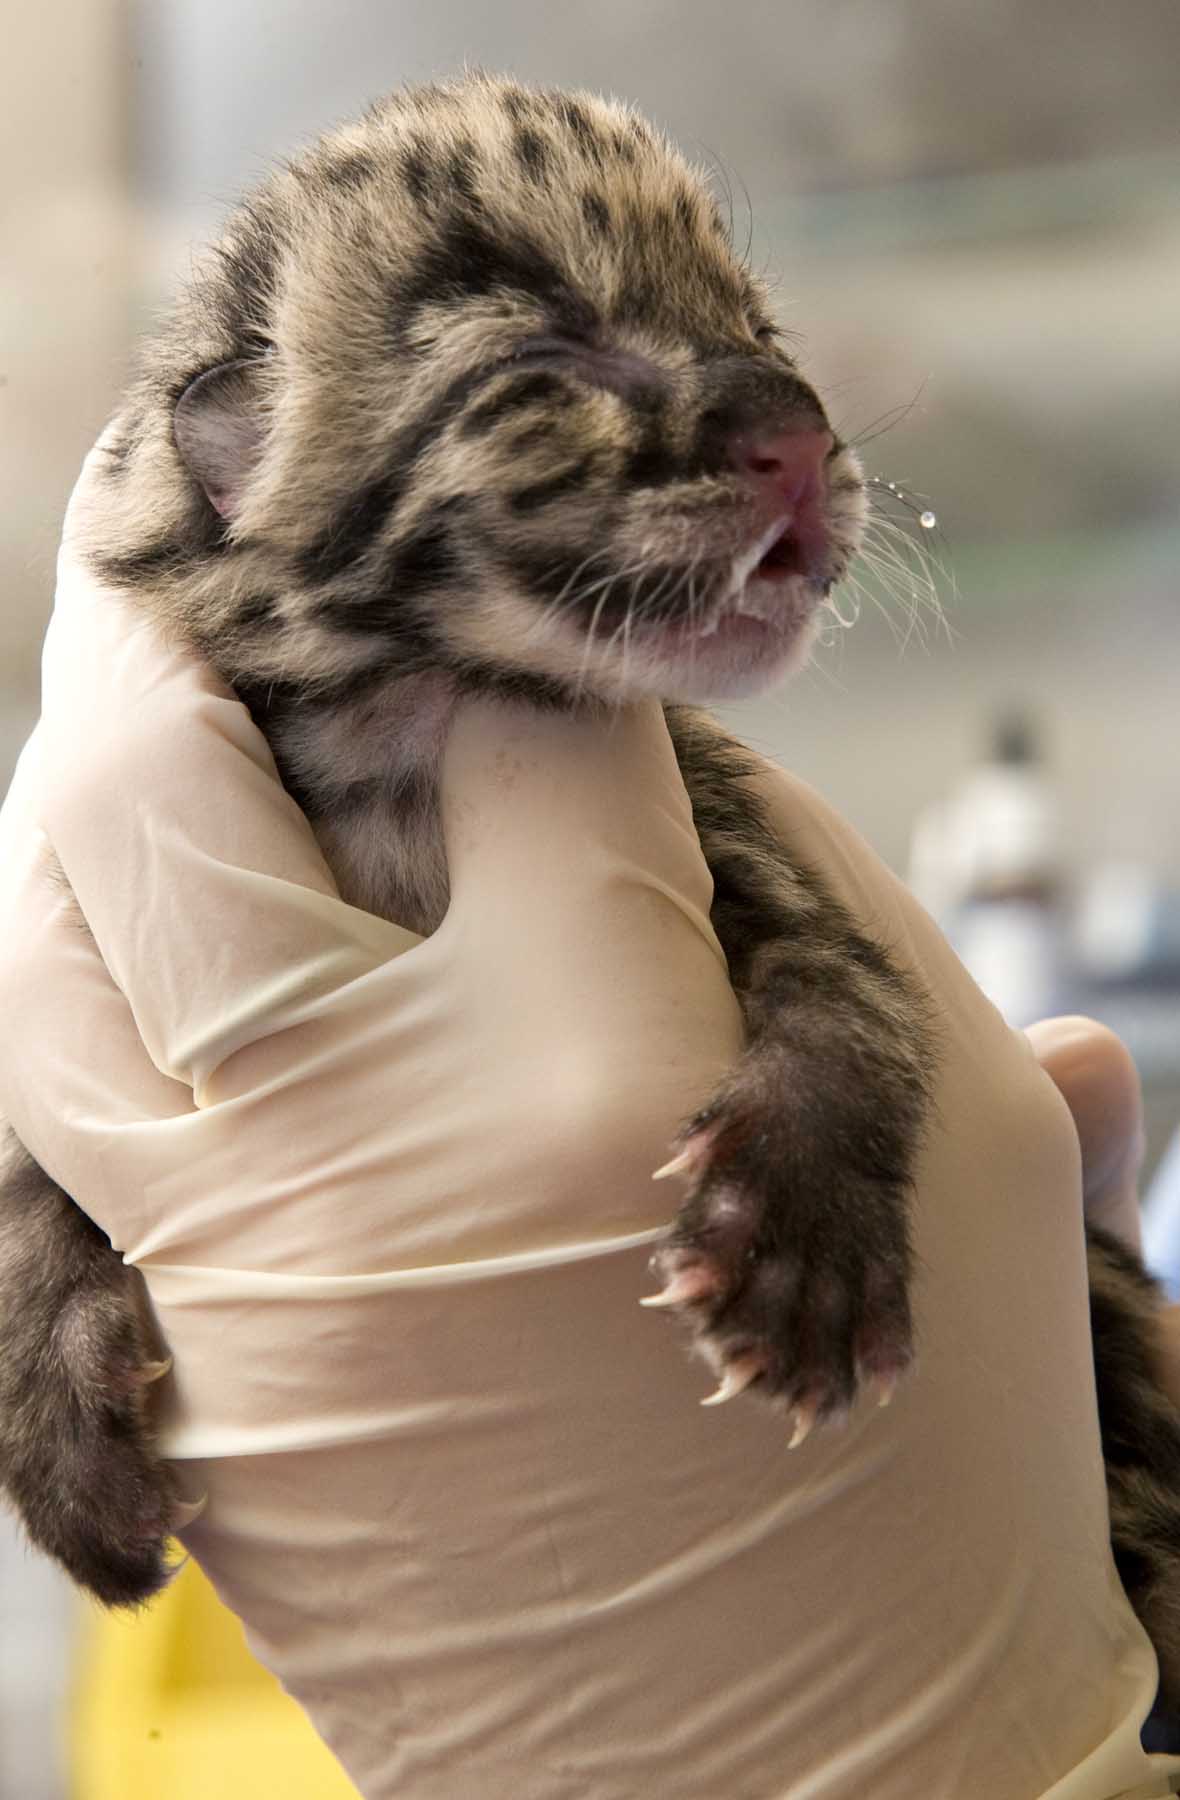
475	397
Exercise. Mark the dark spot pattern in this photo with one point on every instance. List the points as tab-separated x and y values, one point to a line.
416	168
652	462
425	559
257	610
596	213
517	686
532	153
539	493
247	263
462	170
576	119
466	257
516	103
344	799
532	436
518	391
351	170
205	535
559	570
354	528
359	522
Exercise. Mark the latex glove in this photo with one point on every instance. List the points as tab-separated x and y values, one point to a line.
391	1199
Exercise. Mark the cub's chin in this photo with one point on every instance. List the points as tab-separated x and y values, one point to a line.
737	645
751	642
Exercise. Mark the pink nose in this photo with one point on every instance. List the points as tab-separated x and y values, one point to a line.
788	465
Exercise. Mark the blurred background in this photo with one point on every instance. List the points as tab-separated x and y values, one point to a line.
972	218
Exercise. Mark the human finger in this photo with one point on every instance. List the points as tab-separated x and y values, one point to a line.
1096	1075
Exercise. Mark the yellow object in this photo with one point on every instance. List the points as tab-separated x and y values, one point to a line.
170	1705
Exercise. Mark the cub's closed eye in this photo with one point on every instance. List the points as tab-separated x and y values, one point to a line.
594	364
550	345
767	334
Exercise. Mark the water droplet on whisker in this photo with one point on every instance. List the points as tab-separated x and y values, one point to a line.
928	521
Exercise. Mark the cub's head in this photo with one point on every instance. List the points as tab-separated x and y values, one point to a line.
479	384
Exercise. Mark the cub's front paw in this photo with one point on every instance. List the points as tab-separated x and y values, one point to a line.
790	1258
78	1373
83	1468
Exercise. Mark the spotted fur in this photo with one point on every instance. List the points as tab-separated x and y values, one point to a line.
493	345
457	404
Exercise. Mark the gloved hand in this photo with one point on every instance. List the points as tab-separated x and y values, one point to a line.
392	1202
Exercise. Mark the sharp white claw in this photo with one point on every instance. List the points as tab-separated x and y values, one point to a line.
886	1386
735	1380
682	1289
155	1371
805	1416
185	1511
681	1164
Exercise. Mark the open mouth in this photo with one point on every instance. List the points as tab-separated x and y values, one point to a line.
756	622
784	555
772	585
791	546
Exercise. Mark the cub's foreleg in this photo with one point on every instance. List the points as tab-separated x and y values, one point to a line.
77	1460
791	1255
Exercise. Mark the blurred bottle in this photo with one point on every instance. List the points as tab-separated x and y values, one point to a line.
986	863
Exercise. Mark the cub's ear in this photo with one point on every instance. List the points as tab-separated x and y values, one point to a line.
217	427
